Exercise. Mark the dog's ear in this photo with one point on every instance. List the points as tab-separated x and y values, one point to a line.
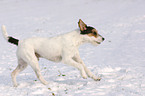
82	25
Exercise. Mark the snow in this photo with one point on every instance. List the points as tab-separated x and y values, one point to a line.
119	60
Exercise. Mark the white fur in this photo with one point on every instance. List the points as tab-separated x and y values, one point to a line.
63	48
5	34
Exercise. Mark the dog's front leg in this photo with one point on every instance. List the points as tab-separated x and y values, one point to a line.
78	59
70	61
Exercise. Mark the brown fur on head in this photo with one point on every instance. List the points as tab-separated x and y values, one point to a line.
94	33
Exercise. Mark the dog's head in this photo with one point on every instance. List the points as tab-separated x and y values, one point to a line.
90	34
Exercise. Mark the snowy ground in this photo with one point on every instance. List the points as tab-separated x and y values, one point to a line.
120	59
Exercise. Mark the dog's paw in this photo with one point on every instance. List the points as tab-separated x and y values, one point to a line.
85	77
15	85
83	74
45	83
96	78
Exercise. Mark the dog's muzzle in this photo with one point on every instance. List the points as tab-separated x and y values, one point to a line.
100	42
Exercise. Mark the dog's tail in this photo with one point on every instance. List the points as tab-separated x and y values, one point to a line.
9	38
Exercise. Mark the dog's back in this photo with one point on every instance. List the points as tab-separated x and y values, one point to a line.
49	48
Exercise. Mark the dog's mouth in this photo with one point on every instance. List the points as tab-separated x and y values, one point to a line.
98	42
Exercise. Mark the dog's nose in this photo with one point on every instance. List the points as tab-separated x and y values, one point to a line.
103	39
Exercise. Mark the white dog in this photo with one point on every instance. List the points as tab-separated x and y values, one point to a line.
63	48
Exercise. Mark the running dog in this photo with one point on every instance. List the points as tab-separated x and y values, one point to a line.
62	48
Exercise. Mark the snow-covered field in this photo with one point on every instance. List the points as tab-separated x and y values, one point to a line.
119	60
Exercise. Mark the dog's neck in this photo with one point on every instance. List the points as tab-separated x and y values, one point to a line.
78	38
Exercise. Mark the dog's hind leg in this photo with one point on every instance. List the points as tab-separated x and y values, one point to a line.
21	66
33	62
38	73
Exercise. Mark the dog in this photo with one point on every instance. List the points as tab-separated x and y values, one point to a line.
62	48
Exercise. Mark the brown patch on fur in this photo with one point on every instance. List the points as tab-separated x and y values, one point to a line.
37	55
94	33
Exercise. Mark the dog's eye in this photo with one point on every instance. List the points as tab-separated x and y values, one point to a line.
94	33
